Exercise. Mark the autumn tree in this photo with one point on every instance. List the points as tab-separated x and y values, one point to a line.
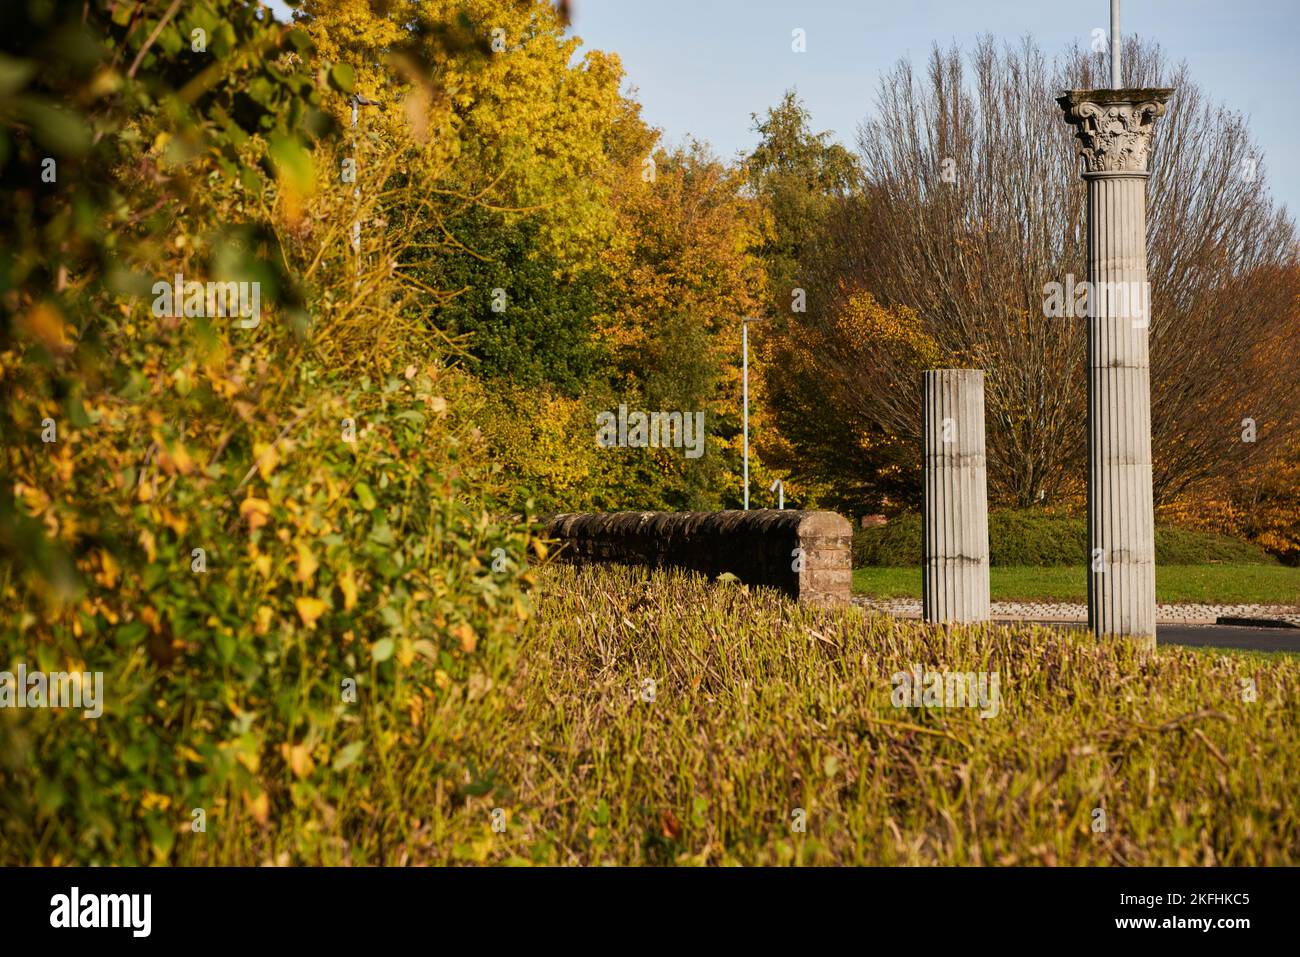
797	175
579	262
682	272
972	205
489	105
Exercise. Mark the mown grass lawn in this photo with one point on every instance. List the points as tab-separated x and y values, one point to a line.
1212	584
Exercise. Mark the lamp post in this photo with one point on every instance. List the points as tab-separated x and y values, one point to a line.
744	338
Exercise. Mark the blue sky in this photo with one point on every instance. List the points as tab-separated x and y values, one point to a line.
701	67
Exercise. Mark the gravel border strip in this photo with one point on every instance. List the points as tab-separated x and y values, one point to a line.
1276	616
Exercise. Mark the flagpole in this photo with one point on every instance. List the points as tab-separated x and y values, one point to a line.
744	338
1115	53
744	335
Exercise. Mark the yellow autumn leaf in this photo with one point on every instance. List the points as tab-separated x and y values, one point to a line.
175	459
348	585
44	324
309	609
298	758
262	565
151	800
267	459
254	511
307	563
258	806
108	577
181	458
147	543
405	653
177	523
468	639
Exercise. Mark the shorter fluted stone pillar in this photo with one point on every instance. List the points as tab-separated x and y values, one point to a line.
954	503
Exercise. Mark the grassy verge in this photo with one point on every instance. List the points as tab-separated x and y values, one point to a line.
656	719
1213	584
1244	654
1023	537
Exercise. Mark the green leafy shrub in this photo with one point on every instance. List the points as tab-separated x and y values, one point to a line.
324	561
276	543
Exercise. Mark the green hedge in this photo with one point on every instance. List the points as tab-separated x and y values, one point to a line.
1032	537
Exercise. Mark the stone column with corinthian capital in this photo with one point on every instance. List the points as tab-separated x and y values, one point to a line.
1114	130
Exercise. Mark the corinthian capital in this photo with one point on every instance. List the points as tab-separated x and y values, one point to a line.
1114	126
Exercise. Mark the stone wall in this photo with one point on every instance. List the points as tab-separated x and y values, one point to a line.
759	546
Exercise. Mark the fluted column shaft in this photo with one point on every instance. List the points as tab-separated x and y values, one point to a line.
954	511
1121	518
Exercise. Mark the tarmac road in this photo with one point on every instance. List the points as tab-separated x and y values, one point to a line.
1230	636
1216	636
